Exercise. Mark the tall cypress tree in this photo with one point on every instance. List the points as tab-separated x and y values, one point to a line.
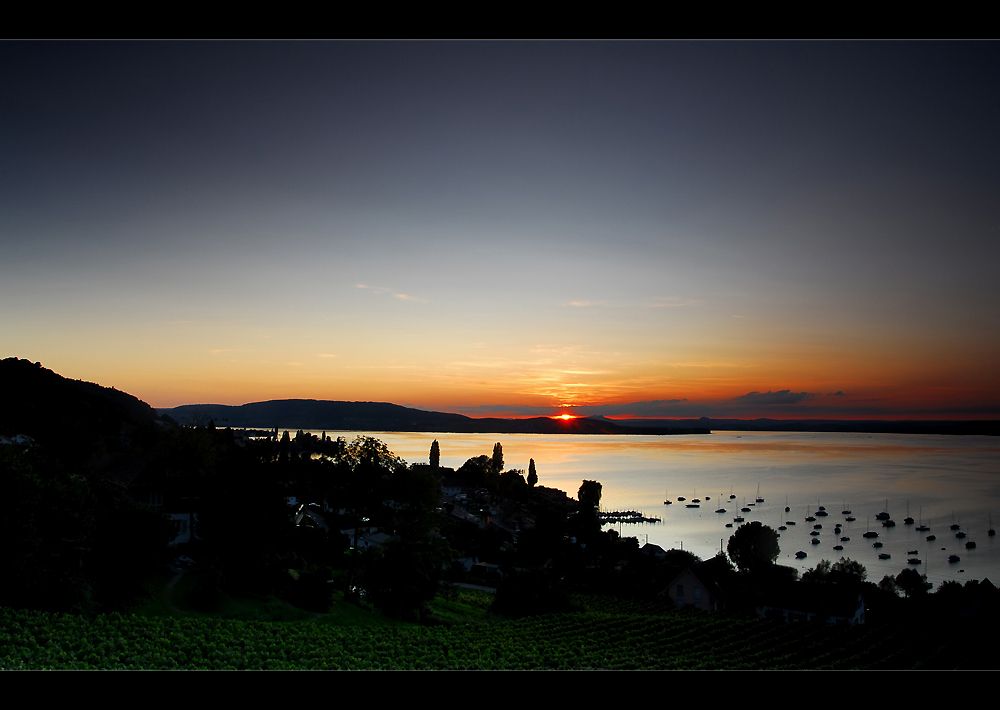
435	454
497	464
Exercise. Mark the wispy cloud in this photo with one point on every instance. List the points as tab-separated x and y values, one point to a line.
326	355
709	364
773	398
399	296
669	302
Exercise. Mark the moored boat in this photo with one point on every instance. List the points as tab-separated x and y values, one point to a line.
884	515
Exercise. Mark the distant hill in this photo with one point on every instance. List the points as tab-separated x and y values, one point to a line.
37	400
872	426
80	421
380	416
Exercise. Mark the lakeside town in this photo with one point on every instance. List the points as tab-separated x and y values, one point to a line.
123	510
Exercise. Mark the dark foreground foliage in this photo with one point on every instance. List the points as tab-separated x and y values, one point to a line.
609	635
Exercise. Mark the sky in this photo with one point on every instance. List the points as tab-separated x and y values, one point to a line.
648	229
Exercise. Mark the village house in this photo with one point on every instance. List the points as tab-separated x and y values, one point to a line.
701	586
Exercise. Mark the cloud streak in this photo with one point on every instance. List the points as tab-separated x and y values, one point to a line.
769	399
670	302
398	296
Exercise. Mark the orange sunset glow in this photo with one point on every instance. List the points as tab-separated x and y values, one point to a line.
632	230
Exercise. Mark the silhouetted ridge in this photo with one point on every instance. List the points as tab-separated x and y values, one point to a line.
79	418
381	416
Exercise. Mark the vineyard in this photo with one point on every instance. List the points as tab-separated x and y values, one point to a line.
599	638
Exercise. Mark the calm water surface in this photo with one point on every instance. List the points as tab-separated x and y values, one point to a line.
939	479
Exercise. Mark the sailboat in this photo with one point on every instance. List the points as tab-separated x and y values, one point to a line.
991	532
954	525
870	534
666	500
884	515
759	499
907	520
720	510
846	510
922	527
731	494
787	509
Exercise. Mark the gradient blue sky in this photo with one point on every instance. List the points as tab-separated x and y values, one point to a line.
785	229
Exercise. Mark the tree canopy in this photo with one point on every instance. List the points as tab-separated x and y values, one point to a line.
843	571
532	476
911	582
590	495
753	546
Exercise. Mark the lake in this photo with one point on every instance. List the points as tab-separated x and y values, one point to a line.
940	479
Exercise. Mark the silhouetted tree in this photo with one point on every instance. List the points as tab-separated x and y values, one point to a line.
911	582
496	465
532	476
512	485
848	569
590	495
753	546
889	586
475	471
844	571
435	454
817	574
